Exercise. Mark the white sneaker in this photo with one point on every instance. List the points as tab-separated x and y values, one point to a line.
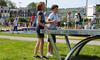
49	54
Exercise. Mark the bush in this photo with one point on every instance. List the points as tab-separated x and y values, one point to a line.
23	20
0	24
64	19
11	19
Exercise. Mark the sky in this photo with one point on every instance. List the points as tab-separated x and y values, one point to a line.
61	3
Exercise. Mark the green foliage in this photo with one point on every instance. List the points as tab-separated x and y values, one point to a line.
0	23
28	19
10	4
7	3
3	3
86	20
23	20
32	5
64	19
10	19
98	8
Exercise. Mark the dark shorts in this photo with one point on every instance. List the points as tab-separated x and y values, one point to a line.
69	24
53	37
77	23
39	35
15	28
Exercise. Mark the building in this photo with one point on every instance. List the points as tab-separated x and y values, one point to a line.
13	12
90	11
22	12
4	12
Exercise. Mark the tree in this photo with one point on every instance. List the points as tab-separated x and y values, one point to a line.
32	5
7	3
98	8
10	4
3	3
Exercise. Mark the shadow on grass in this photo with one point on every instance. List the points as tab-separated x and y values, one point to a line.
85	57
82	57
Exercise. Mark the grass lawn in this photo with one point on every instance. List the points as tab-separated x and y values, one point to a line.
34	35
20	35
23	50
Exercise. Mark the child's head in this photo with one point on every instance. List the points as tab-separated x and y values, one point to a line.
54	8
41	6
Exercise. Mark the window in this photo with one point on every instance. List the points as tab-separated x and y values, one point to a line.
5	11
1	11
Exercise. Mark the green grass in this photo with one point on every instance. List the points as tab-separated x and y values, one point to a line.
19	35
23	50
34	35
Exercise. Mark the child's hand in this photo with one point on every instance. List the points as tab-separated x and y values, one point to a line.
56	23
46	27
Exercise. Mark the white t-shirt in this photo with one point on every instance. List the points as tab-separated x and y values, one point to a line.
53	17
76	17
69	18
16	22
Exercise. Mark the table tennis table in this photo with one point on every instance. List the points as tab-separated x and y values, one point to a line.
91	35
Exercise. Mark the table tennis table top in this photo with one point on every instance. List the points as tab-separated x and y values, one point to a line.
92	32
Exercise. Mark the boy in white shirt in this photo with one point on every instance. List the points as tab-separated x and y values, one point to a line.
15	25
53	20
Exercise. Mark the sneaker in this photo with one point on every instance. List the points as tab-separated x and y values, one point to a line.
49	54
36	56
43	57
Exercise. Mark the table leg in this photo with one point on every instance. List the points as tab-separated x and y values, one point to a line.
67	42
79	46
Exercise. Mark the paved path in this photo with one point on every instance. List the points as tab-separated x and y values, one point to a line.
58	40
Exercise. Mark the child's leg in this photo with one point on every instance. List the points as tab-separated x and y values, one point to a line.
51	48
41	46
17	29
48	47
54	40
13	30
37	47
